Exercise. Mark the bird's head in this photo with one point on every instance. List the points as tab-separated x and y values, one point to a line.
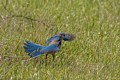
66	36
62	35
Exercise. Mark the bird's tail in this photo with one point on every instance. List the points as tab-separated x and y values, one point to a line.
36	53
30	47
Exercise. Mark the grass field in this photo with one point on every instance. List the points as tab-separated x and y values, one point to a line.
93	55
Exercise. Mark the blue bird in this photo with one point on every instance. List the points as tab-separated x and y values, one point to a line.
35	50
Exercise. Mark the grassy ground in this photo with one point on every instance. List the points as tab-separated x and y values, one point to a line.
94	55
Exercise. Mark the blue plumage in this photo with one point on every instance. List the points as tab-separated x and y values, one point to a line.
30	47
66	38
47	49
55	37
35	50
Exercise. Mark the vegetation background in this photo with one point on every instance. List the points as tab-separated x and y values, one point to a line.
93	55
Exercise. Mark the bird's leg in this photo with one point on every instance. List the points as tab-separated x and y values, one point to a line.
46	59
46	56
36	61
53	56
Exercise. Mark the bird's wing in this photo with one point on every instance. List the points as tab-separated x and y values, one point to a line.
30	47
50	48
55	37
